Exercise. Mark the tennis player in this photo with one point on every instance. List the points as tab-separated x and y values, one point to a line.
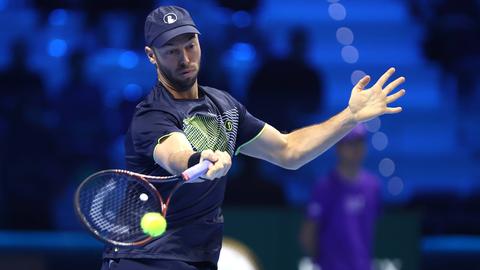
181	123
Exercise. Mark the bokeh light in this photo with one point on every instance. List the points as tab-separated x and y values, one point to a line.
344	36
379	141
386	167
241	19
132	92
373	125
395	186
128	60
243	51
57	47
350	54
58	17
337	11
356	76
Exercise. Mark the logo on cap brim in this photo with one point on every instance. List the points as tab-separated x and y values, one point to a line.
170	18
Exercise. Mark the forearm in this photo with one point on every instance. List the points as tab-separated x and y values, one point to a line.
306	144
293	150
178	161
173	154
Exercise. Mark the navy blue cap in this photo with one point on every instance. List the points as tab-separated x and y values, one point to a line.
167	22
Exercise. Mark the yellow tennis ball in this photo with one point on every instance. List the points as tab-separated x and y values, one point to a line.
153	224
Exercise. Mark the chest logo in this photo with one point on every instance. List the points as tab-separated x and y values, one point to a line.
228	125
209	131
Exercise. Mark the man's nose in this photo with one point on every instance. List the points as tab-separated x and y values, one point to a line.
184	59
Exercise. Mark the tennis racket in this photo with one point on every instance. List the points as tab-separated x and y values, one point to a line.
111	203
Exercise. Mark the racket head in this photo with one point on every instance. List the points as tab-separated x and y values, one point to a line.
111	204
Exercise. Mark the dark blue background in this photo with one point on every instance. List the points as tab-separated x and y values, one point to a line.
72	72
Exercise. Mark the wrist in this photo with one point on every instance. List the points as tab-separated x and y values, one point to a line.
194	159
350	116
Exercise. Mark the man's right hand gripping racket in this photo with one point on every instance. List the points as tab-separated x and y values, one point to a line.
111	203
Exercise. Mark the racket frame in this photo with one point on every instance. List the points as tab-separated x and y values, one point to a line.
146	181
191	175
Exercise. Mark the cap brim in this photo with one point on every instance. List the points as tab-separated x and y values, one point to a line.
166	36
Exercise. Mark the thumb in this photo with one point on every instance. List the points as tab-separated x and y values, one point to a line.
209	155
362	83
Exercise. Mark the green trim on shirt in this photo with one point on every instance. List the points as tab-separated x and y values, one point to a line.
251	140
159	141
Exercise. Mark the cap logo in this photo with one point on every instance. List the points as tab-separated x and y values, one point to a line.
169	18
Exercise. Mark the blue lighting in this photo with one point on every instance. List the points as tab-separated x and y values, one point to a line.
117	152
243	51
3	4
451	244
241	19
48	241
128	60
57	47
58	17
132	92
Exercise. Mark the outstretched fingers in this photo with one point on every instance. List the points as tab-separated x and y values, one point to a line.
362	83
384	78
394	97
392	110
389	88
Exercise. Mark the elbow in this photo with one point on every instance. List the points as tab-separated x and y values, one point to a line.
289	158
291	167
291	162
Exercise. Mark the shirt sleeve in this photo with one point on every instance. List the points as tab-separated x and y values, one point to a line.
150	126
249	128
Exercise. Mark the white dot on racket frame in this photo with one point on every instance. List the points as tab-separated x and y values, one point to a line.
143	197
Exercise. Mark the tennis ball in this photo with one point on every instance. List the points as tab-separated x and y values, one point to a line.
153	224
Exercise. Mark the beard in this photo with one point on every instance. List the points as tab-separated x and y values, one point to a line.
178	84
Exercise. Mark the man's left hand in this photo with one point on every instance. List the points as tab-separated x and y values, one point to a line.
366	104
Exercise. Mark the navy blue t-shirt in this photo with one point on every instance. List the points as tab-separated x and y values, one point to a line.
214	121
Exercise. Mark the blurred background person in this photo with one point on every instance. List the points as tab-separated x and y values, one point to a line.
82	138
27	137
279	77
338	232
458	56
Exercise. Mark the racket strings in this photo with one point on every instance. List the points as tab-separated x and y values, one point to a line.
114	204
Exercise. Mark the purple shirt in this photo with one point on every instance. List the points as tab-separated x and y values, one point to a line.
345	215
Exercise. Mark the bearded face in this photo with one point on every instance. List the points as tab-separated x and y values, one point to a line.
178	62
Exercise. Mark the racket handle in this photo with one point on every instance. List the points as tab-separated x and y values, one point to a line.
196	171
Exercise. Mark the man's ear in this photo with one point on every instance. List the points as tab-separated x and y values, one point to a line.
150	55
